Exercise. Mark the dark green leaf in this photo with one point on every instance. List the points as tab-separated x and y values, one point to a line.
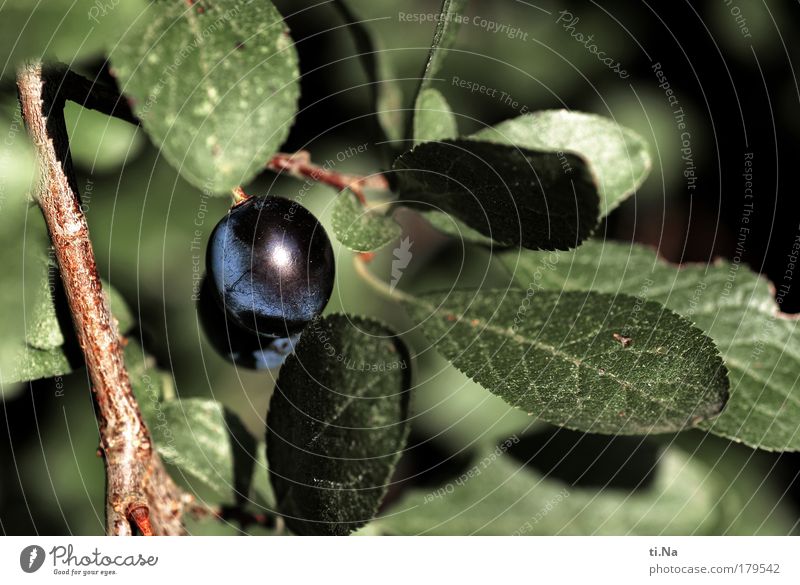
512	195
360	229
589	361
618	157
444	37
337	424
500	496
433	118
215	84
759	345
202	439
386	95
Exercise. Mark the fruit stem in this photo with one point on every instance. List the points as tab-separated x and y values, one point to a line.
299	165
239	196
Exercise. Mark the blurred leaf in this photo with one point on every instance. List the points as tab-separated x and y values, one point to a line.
20	244
209	443
759	345
618	157
360	229
119	309
444	37
588	361
30	346
515	196
387	99
199	437
451	226
459	413
433	119
43	350
752	499
65	31
215	85
337	424
99	142
504	497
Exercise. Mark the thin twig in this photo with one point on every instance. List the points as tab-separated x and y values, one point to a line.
299	165
138	490
106	99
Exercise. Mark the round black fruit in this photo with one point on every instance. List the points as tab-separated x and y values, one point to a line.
237	344
271	265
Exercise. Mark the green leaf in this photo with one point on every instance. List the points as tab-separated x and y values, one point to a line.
32	345
387	99
433	118
44	350
500	496
444	37
64	31
594	362
99	142
39	351
618	157
451	226
512	195
201	438
753	501
337	424
208	442
459	413
31	338
360	229
119	309
735	307
215	85
21	244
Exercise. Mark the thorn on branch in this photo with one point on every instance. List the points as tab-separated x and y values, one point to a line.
139	514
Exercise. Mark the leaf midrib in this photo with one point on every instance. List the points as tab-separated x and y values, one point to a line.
578	362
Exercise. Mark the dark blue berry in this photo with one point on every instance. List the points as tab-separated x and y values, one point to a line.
271	265
236	344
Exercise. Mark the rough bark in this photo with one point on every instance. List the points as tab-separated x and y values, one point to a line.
138	489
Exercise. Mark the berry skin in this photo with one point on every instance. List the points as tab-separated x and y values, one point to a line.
240	346
271	265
